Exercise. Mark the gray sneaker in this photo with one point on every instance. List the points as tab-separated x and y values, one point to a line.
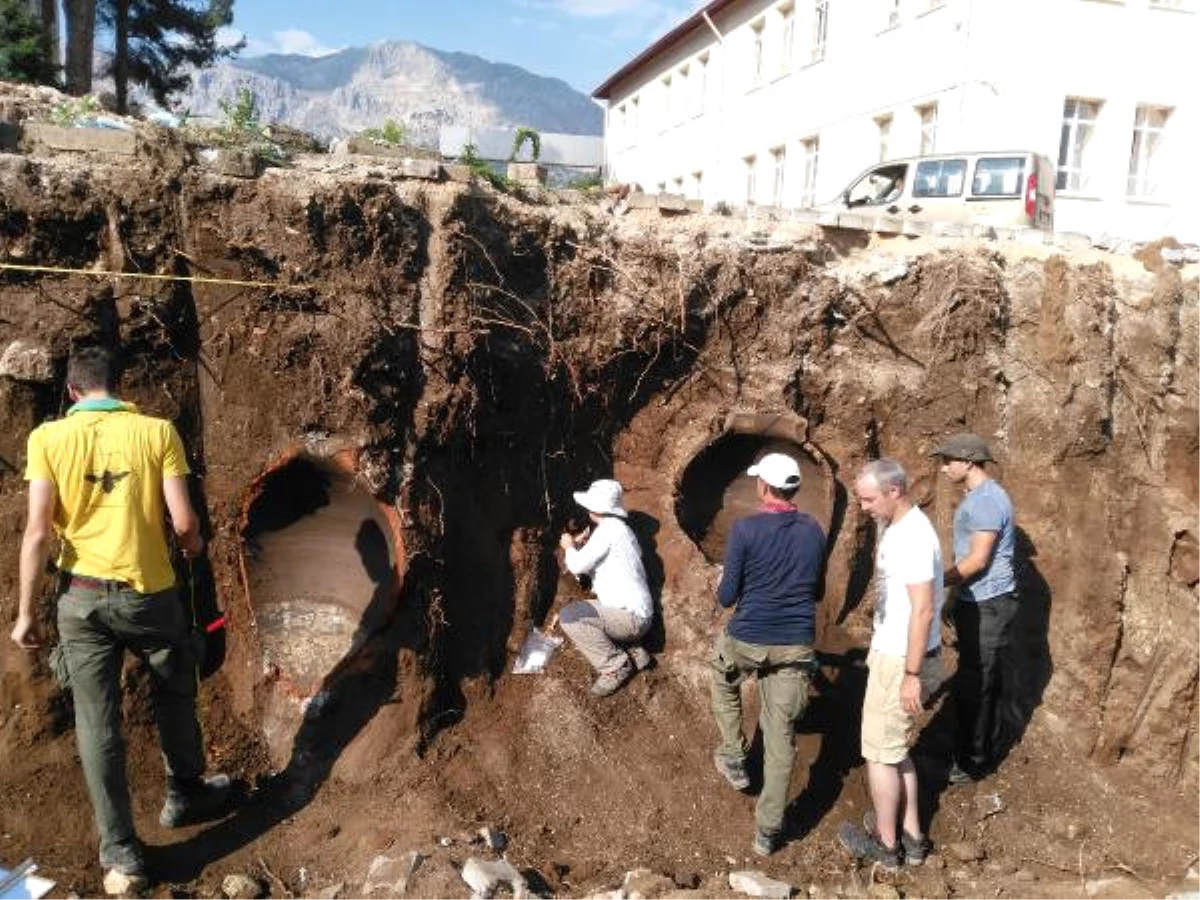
734	770
194	801
125	870
916	848
639	657
608	682
765	843
865	846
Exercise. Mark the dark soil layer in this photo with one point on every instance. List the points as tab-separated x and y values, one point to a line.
387	424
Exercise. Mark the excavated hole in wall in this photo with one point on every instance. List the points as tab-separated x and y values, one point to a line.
715	491
321	560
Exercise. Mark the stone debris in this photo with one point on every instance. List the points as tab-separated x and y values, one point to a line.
485	876
392	874
987	805
239	886
640	884
329	892
965	851
756	884
881	890
27	361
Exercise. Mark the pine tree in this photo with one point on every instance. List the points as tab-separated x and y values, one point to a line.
25	46
157	43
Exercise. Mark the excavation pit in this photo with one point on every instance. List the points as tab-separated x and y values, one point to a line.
715	491
321	565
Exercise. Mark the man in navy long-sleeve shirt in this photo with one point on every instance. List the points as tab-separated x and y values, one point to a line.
774	562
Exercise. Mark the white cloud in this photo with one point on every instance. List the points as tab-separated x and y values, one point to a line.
290	40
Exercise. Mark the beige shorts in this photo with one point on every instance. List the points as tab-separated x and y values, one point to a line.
887	730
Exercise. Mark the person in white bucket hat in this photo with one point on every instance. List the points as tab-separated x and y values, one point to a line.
609	629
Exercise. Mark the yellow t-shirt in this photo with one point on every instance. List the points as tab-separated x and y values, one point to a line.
108	467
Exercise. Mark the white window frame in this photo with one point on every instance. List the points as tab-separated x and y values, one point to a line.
927	114
700	88
751	163
682	91
757	51
811	149
698	184
787	35
1080	115
820	30
883	124
778	174
1145	154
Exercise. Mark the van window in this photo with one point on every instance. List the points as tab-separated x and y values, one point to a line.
999	176
878	187
940	178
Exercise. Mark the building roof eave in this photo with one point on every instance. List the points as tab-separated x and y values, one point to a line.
664	43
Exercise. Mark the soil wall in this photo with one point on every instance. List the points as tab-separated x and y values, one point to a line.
476	358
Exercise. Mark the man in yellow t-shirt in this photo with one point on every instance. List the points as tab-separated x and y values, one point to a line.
103	479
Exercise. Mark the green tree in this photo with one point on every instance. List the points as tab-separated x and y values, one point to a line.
157	43
25	46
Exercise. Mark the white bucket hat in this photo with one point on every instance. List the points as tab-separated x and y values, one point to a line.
777	470
603	497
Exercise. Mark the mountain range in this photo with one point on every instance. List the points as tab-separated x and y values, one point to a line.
419	88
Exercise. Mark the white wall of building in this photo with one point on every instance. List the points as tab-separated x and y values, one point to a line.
996	72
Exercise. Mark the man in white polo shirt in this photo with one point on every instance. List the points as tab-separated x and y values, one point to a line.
904	663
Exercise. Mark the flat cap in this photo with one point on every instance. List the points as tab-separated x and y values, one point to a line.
964	446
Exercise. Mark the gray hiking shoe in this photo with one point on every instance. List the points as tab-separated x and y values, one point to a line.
916	847
639	657
194	801
865	846
765	843
734	770
608	682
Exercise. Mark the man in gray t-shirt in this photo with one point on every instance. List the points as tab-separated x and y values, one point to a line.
986	593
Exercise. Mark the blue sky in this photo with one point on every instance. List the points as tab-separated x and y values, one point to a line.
580	41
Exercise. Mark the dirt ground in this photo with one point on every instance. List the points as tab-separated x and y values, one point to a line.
389	387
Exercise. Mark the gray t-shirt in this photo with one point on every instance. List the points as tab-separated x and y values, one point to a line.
987	508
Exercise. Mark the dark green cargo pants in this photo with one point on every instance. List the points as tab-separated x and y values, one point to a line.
96	626
783	687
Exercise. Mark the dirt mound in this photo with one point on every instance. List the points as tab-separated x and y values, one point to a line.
388	403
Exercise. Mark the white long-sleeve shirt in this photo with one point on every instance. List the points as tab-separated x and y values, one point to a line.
614	560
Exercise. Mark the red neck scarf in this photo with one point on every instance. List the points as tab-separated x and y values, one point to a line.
771	504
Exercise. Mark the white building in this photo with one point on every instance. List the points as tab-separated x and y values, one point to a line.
782	102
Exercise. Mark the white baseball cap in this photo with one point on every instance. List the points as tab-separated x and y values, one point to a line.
603	497
777	470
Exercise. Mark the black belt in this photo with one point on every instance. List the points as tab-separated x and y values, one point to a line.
934	653
94	584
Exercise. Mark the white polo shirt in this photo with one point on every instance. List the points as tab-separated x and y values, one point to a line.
614	559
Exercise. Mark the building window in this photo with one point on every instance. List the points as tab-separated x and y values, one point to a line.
683	94
701	84
891	10
928	116
820	29
1078	128
751	182
634	116
808	194
666	101
756	31
1149	129
884	126
778	172
787	30
677	185
698	185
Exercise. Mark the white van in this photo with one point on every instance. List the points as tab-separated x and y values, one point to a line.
1009	188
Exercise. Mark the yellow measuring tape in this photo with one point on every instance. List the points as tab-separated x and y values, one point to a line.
106	273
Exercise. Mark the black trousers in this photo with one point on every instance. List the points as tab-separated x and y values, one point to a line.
983	689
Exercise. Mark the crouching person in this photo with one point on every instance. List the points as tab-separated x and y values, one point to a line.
608	631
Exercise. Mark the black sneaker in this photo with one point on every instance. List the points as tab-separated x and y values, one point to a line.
194	801
734	770
866	847
766	843
916	848
964	774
